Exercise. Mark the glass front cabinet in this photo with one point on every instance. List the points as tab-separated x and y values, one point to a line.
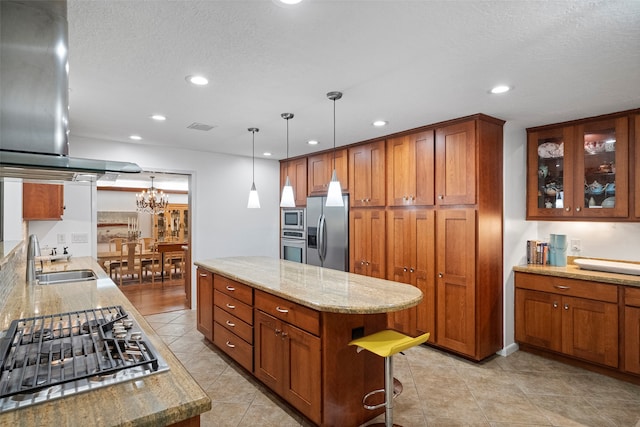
579	170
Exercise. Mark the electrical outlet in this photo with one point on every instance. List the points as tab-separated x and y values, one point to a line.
62	238
575	245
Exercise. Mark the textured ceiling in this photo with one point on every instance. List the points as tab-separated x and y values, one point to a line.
409	62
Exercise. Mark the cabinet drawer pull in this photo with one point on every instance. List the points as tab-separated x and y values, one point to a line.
562	288
230	345
230	288
566	306
282	310
231	324
203	274
232	307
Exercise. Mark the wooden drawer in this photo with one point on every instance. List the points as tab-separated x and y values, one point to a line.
569	287
233	324
231	305
238	290
295	314
632	296
237	348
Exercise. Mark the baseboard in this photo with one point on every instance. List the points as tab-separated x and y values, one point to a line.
510	349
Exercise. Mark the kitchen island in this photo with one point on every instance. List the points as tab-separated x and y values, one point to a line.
165	398
290	324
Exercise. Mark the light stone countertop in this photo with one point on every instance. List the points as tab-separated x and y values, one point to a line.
156	400
318	288
572	271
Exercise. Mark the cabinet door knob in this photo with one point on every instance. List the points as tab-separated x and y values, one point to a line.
555	304
231	324
284	335
411	270
566	306
578	209
362	262
230	345
231	306
230	288
567	209
278	331
282	310
440	197
404	269
440	275
367	262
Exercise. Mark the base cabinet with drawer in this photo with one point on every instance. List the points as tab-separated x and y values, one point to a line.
572	317
204	310
233	320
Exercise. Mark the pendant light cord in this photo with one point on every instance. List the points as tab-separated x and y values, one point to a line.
253	157
287	147
334	134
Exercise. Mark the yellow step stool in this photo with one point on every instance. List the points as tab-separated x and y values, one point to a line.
385	344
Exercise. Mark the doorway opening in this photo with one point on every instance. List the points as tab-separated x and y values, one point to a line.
147	251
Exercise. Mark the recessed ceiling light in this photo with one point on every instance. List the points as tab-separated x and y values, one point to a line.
197	80
312	142
135	137
500	89
266	153
380	123
159	117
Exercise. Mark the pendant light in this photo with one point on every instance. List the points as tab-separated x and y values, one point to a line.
287	200
334	195
254	200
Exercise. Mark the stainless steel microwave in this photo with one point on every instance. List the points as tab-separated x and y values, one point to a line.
293	219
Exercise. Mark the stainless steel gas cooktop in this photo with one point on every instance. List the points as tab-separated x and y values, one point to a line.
49	357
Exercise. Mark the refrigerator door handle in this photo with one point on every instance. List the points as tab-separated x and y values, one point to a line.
322	238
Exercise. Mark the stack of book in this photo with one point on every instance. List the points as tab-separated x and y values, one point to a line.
537	252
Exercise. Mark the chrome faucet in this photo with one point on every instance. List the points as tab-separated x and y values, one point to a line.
33	251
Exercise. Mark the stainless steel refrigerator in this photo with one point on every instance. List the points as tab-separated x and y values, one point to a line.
328	234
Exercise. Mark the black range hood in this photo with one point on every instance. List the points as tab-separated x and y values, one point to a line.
34	83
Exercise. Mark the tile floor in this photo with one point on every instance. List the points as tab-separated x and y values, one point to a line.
439	389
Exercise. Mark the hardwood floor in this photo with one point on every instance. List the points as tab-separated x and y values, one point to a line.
154	299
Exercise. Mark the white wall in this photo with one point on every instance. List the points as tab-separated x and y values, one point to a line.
77	223
12	216
221	223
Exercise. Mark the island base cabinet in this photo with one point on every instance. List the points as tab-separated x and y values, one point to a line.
287	361
204	309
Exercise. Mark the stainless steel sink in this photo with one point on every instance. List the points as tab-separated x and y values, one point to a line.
65	277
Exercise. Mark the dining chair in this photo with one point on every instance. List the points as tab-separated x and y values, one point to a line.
130	261
148	243
115	245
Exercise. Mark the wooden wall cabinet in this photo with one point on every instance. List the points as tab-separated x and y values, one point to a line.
42	201
204	309
411	260
632	330
172	225
581	170
297	171
456	173
367	250
636	170
320	168
572	317
410	169
367	178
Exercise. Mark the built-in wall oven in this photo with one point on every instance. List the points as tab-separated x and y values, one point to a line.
293	235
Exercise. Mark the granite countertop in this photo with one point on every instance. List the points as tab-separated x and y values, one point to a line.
318	288
572	271
159	399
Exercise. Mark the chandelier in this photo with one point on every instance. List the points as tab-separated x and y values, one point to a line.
151	200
